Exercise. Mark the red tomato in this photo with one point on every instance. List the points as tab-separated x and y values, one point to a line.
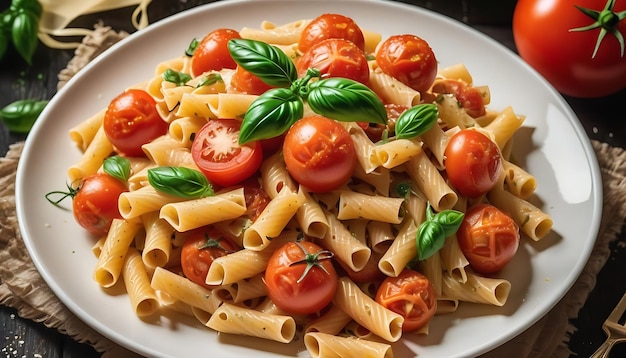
330	26
335	58
199	251
244	81
212	52
369	273
473	162
218	154
291	287
95	203
410	295
256	200
409	59
488	238
131	120
543	36
319	153
469	97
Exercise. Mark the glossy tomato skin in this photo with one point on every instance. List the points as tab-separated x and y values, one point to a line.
473	162
131	120
335	58
219	156
95	204
244	81
411	295
488	238
319	153
409	59
200	249
212	53
543	39
285	268
331	26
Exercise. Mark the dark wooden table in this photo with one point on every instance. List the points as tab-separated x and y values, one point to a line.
602	118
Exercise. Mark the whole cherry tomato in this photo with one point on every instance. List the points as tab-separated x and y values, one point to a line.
131	120
331	26
319	153
335	58
488	238
566	44
95	202
200	249
212	53
244	81
473	162
411	295
300	277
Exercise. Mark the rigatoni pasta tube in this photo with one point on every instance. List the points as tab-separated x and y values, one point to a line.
325	345
142	297
478	289
113	252
182	289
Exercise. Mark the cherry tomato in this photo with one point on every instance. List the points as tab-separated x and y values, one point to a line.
473	162
335	58
294	289
469	97
256	199
544	38
218	154
244	81
488	238
410	295
131	120
95	203
319	153
212	53
369	273
330	26
200	249
409	59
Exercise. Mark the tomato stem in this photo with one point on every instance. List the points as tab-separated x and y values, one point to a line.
312	260
71	193
607	20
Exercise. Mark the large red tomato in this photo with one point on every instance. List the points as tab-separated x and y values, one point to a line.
331	26
335	58
544	36
95	203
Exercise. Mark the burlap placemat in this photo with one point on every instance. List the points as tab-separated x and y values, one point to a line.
23	288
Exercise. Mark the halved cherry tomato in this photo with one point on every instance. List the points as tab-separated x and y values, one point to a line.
200	249
319	153
244	81
219	156
131	120
335	58
488	238
300	277
469	97
212	53
409	59
410	295
473	162
95	203
331	26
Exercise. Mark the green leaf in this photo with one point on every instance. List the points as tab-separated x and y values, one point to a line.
24	34
20	116
346	100
192	47
27	5
265	61
210	79
117	167
416	120
176	77
450	220
430	239
180	181
271	115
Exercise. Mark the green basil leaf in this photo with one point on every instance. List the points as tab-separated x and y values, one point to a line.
416	120
346	100
430	239
210	79
20	116
271	115
24	34
192	47
27	5
450	220
117	167
176	77
180	181
267	62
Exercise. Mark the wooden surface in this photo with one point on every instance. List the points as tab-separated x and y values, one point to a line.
602	118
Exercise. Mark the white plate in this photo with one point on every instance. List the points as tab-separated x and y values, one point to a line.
552	145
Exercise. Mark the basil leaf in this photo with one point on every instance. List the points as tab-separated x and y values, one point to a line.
430	239
20	116
180	181
117	167
210	79
450	220
346	100
265	61
176	77
416	120
29	5
24	34
192	47
271	115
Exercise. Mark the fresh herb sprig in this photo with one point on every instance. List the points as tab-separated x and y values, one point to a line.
19	24
432	233
182	182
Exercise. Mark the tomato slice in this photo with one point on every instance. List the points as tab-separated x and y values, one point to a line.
218	154
335	58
